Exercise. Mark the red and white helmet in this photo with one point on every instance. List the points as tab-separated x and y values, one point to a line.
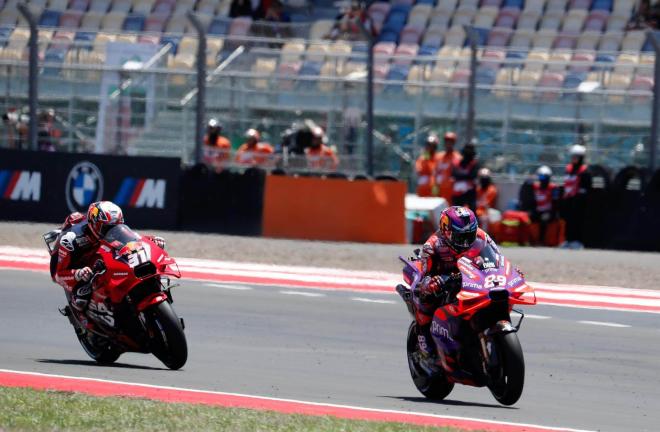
103	215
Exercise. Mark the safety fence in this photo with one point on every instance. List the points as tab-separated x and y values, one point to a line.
525	114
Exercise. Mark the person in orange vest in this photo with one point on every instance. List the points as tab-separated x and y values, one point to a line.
217	148
319	156
486	196
253	152
577	184
464	174
425	167
444	163
546	196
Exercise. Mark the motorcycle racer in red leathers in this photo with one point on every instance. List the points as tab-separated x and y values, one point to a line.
71	265
458	234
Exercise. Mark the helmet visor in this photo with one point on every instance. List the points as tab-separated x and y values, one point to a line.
464	240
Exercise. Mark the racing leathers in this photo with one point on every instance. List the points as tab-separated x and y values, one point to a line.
73	259
440	283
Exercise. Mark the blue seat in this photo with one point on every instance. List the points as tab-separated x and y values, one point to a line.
5	32
517	55
428	50
604	62
134	23
50	18
398	72
514	3
485	76
602	5
85	36
175	40
428	2
311	68
648	46
219	26
359	53
574	79
388	36
54	56
482	35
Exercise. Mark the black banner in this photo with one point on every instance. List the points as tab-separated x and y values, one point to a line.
45	187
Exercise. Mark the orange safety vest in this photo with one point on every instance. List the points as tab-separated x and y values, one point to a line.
261	154
425	167
543	197
572	180
321	158
444	162
218	151
486	198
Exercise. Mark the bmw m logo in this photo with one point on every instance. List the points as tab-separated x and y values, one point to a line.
83	186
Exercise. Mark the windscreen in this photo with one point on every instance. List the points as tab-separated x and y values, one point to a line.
119	235
484	256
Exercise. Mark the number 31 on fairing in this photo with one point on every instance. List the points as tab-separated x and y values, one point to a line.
139	256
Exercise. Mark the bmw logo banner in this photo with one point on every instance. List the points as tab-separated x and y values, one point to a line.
46	187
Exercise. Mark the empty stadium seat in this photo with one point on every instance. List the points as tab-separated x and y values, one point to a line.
57	5
155	22
544	39
588	40
499	37
455	36
537	59
574	21
113	21
527	80
633	41
134	23
610	42
643	85
405	52
558	61
618	82
518	4
551	20
219	26
522	39
573	80
535	5
492	58
485	17
463	16
417	74
549	85
91	21
311	68
99	6
617	22
419	15
623	7
596	20
265	67
433	38
579	5
646	65
555	5
604	5
565	41
626	63
383	52
438	78
528	19
507	18
50	18
449	5
582	61
320	29
411	34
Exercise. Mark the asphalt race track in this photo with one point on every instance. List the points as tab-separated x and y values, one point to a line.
586	369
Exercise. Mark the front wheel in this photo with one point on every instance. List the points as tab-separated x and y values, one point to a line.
507	378
169	341
436	386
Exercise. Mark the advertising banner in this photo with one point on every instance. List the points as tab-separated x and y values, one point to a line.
45	187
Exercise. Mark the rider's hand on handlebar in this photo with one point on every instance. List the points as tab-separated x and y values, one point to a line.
84	274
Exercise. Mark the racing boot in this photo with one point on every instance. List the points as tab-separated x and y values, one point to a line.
80	297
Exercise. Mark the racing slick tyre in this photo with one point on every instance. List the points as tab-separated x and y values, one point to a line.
169	341
436	386
101	353
508	379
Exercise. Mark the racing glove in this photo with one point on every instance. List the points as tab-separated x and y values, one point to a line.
431	286
84	274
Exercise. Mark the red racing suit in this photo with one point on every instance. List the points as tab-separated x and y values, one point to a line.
437	259
76	247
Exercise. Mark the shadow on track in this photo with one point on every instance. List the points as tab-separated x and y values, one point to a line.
420	399
93	363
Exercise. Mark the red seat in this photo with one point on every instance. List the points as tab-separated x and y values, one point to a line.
71	19
596	20
240	26
155	23
492	58
149	39
410	34
582	61
548	82
288	69
496	3
580	4
642	84
499	37
407	50
79	5
507	18
565	41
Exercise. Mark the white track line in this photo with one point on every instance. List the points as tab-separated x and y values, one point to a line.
302	293
230	287
540	317
604	324
367	300
295	401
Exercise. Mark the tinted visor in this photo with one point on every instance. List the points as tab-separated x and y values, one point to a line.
464	240
105	228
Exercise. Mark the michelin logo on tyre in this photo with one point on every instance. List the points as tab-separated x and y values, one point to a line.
84	185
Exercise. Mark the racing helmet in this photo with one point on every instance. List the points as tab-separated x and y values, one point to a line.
458	228
577	150
544	173
102	216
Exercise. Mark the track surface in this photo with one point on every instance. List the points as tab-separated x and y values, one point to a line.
330	347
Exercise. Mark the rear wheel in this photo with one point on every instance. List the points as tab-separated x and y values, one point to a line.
100	351
169	341
435	386
508	377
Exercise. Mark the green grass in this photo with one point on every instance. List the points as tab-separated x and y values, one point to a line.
31	410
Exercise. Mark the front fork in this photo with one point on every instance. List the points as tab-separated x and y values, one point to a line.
489	357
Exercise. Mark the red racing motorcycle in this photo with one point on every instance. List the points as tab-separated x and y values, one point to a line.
130	309
476	342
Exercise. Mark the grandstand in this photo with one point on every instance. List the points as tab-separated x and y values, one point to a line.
533	55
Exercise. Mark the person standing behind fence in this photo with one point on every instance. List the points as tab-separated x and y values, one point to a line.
486	196
544	212
217	148
425	167
464	175
444	163
319	156
253	152
577	184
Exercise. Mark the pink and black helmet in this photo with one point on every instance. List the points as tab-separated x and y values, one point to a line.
458	227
